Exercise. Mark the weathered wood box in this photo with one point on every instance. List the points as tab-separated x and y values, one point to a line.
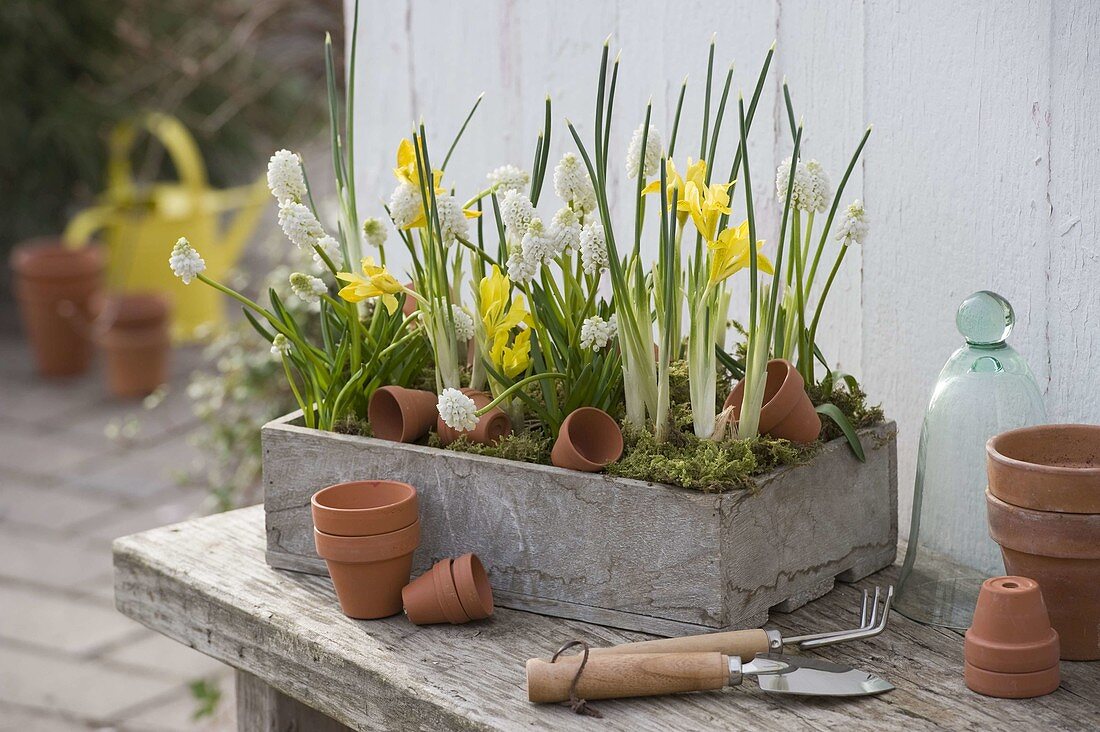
612	551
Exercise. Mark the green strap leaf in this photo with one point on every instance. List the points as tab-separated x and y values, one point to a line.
833	412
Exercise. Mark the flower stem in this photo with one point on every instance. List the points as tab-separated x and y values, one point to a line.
516	387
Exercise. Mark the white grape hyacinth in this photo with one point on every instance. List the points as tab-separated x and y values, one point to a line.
185	261
457	410
308	288
565	230
285	178
331	248
573	184
374	231
854	226
593	249
464	324
812	189
653	150
280	346
300	225
820	191
405	204
509	178
452	221
518	267
596	332
516	211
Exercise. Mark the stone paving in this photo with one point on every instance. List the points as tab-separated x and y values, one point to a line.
68	659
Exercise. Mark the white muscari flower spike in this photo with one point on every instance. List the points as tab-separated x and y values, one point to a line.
509	178
593	250
537	245
854	226
285	178
405	204
819	192
299	224
565	230
457	410
573	184
596	332
452	221
185	261
516	212
331	248
280	346
374	231
653	150
464	324
307	287
518	268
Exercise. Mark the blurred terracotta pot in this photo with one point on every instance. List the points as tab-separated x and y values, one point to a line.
491	426
787	411
136	343
369	572
589	440
54	287
364	507
401	415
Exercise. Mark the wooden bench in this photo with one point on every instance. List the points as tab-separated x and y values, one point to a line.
302	665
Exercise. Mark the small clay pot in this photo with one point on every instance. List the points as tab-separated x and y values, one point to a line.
401	415
453	592
1054	467
54	287
491	426
589	440
411	304
787	411
1010	649
136	343
369	572
1061	551
364	507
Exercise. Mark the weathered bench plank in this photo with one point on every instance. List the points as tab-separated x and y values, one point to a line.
205	583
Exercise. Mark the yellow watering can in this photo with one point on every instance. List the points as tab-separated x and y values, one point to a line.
140	225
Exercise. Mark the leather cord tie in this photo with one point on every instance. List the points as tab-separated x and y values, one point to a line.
578	705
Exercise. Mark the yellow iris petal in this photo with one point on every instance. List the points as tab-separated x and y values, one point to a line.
731	253
375	281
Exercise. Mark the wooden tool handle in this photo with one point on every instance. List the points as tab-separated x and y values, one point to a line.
743	643
616	676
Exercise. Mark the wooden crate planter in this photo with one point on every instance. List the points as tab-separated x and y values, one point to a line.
613	551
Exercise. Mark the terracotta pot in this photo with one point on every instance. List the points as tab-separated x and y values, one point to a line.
401	415
453	592
54	287
136	343
589	440
1061	551
491	426
1052	467
472	583
364	507
411	304
369	572
1010	649
787	411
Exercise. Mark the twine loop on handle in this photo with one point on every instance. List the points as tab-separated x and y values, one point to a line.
578	705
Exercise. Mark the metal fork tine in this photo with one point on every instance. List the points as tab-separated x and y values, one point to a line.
861	634
863	610
868	616
874	607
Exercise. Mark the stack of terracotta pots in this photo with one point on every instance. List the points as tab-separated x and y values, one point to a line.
55	287
136	343
1044	511
453	591
367	531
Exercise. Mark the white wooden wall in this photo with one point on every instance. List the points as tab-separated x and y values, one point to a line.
983	171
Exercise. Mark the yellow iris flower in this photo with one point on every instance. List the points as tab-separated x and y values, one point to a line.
496	314
406	172
696	172
515	359
705	204
375	281
730	254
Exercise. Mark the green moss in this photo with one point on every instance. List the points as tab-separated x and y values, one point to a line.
850	399
528	447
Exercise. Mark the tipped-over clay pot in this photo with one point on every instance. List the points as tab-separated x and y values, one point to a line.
491	426
589	440
54	287
364	507
453	591
136	343
1061	551
401	415
369	572
1010	649
787	411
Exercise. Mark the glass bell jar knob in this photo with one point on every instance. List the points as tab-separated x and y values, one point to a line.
984	389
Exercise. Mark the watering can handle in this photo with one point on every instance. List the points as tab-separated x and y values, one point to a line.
175	138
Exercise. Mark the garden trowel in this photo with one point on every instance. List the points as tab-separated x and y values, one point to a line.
652	674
